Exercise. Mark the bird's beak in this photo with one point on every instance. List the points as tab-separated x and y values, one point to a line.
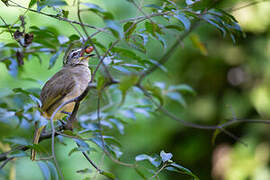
85	53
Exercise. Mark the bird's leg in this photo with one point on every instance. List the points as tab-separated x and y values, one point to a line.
43	130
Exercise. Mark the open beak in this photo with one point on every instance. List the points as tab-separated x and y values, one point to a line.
85	53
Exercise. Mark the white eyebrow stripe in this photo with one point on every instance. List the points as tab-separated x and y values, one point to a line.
75	51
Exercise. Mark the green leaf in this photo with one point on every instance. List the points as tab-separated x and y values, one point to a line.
156	92
160	66
121	69
140	173
32	3
176	27
183	88
52	3
112	139
44	3
12	45
153	160
129	28
214	21
125	53
154	6
180	169
115	28
127	82
20	90
65	13
45	170
73	150
97	141
84	171
36	100
108	175
37	147
13	67
53	170
162	41
152	28
118	124
17	153
137	42
115	151
74	37
190	2
182	18
177	97
70	133
165	156
5	2
94	8
82	144
101	82
17	140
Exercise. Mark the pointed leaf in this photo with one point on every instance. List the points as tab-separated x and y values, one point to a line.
182	18
178	168
177	97
53	170
129	28
45	170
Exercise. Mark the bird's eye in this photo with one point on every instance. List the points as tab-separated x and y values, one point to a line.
74	54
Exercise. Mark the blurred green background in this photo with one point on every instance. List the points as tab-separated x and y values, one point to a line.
232	80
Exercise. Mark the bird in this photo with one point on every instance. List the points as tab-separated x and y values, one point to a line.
68	83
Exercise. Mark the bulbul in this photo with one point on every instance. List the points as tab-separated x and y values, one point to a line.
66	84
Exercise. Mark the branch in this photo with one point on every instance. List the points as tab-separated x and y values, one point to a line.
198	126
54	16
6	161
90	161
155	175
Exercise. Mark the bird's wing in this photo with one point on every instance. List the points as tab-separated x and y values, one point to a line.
56	89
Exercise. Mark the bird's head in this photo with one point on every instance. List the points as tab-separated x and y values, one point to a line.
78	56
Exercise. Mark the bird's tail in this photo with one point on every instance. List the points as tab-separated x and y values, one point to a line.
35	141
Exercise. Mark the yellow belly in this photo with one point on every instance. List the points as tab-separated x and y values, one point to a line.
59	115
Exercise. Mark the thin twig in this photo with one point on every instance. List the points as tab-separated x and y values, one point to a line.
44	158
198	126
5	162
102	139
140	9
54	16
77	30
7	26
52	145
155	175
90	161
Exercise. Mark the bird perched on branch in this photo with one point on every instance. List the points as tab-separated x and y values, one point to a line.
68	83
